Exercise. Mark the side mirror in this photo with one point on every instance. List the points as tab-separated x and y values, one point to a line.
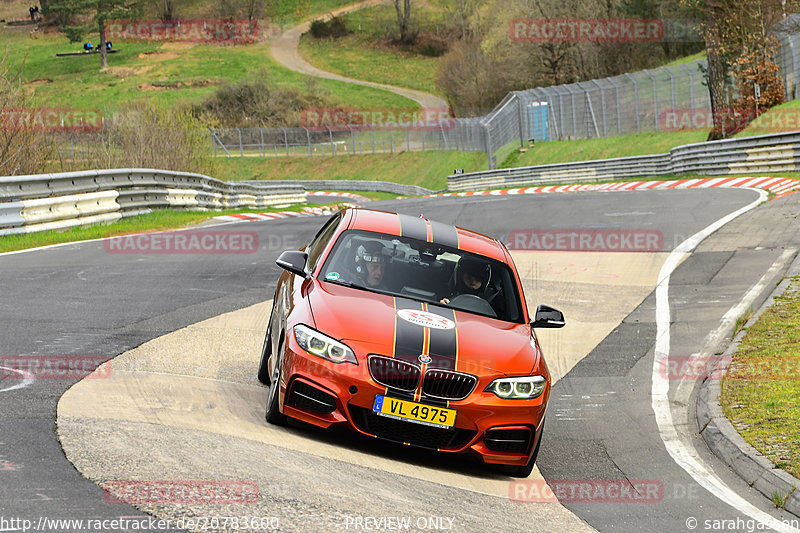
548	317
294	262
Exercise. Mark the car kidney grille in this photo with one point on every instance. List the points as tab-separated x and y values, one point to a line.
448	385
394	373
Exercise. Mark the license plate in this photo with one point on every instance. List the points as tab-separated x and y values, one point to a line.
414	412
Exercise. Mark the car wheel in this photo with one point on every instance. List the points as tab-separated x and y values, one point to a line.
266	352
274	415
525	470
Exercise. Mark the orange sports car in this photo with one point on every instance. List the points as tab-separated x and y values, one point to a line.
409	330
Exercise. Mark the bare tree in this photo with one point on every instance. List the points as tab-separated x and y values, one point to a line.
403	9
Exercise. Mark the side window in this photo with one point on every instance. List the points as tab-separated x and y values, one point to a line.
321	240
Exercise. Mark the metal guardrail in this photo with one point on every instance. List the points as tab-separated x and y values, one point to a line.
764	153
352	185
57	201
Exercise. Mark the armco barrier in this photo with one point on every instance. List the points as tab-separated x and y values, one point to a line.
760	154
354	185
55	201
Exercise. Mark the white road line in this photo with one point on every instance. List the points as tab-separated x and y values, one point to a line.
712	340
681	449
27	379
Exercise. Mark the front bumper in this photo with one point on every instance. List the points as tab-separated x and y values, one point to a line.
327	394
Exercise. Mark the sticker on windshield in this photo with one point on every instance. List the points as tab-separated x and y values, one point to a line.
332	276
425	319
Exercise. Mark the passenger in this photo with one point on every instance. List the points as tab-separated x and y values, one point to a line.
371	258
470	276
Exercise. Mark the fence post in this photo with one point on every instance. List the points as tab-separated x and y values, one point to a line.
285	140
574	116
602	107
210	132
372	136
408	140
488	145
330	135
619	117
241	148
308	139
672	86
655	97
391	139
520	117
263	149
352	141
691	87
636	100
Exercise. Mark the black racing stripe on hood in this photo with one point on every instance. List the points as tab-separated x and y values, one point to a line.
409	338
413	228
443	344
444	234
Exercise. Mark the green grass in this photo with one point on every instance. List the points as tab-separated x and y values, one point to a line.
687	59
162	219
291	12
545	153
759	394
428	169
781	118
170	74
366	54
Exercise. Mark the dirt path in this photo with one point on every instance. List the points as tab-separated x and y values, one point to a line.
284	50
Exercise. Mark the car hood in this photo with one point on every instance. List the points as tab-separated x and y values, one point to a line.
372	323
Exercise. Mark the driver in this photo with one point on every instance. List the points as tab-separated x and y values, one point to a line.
471	277
371	259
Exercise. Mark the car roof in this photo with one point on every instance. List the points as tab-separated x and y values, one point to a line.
427	230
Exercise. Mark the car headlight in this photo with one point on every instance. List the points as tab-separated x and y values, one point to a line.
522	388
323	346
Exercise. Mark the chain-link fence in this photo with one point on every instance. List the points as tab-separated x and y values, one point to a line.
260	142
662	99
631	103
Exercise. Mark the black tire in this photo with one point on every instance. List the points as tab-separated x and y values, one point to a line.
274	415
525	470
266	352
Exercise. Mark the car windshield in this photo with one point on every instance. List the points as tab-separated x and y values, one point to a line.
424	271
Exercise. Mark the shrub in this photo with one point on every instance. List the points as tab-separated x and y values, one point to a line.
334	28
23	149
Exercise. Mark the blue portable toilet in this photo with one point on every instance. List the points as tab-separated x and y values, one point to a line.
537	121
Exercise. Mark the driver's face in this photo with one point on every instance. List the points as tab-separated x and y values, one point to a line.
472	282
375	273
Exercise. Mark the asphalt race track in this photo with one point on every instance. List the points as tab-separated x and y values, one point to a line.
178	413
